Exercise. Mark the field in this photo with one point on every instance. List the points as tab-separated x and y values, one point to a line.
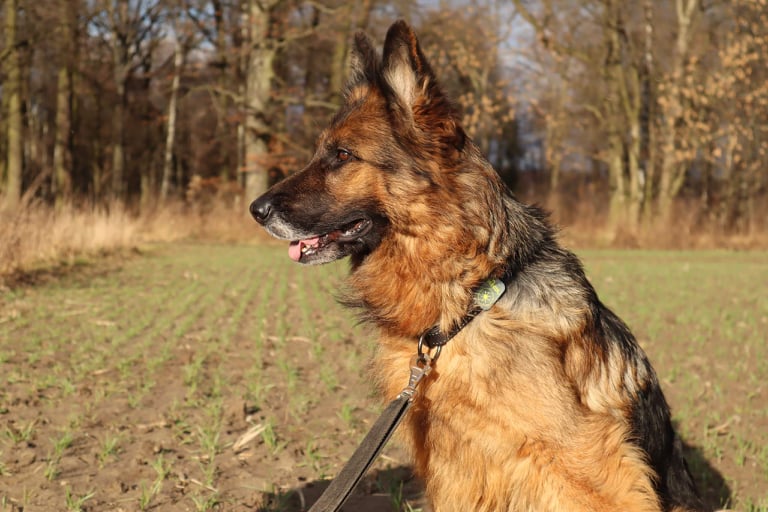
225	377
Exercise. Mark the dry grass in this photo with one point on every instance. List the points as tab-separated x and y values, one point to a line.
585	225
37	236
214	221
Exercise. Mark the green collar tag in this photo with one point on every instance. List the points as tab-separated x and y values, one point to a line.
488	293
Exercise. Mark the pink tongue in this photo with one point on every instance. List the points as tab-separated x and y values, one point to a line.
294	250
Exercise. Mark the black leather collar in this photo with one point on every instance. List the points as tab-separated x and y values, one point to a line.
485	296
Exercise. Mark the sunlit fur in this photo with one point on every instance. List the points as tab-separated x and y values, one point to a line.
543	403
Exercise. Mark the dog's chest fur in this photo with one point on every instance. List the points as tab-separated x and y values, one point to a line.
505	408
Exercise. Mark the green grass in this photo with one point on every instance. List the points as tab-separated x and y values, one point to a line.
703	319
137	381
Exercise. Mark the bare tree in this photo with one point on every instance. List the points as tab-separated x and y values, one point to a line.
14	126
672	111
652	118
218	24
131	31
259	55
597	40
62	155
181	44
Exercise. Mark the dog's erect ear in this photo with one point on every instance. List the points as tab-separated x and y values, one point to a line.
413	88
365	62
405	68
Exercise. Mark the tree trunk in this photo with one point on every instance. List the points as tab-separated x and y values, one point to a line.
554	133
636	189
3	142
242	71
118	157
625	82
647	116
649	178
178	61
224	101
12	88
120	74
62	155
617	205
259	74
616	108
671	170
670	184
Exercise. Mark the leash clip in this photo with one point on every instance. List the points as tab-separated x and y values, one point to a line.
421	365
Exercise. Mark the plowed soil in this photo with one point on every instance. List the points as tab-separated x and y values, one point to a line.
217	377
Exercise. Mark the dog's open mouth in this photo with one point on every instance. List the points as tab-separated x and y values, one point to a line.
311	248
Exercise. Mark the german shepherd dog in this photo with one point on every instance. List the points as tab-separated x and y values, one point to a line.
545	401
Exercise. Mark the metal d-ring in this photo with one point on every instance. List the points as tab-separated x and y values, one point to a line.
426	357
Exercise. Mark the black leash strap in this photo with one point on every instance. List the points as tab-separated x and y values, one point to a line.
349	476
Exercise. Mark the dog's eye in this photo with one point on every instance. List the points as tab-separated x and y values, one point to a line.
342	155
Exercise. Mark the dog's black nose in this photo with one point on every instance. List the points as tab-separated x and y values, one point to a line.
261	209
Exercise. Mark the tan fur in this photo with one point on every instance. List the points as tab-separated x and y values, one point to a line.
530	407
468	412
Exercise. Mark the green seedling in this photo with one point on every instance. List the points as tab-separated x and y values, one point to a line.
75	503
109	447
208	438
270	438
162	468
204	503
347	415
21	435
147	493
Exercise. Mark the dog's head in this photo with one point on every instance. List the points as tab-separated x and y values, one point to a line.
384	148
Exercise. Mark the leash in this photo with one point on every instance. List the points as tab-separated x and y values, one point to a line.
345	482
348	478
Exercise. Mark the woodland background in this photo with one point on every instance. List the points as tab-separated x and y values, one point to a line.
643	120
128	380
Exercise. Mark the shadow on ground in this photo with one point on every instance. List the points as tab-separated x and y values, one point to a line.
380	491
710	482
391	489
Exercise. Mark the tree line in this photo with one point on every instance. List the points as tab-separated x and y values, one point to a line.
634	105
